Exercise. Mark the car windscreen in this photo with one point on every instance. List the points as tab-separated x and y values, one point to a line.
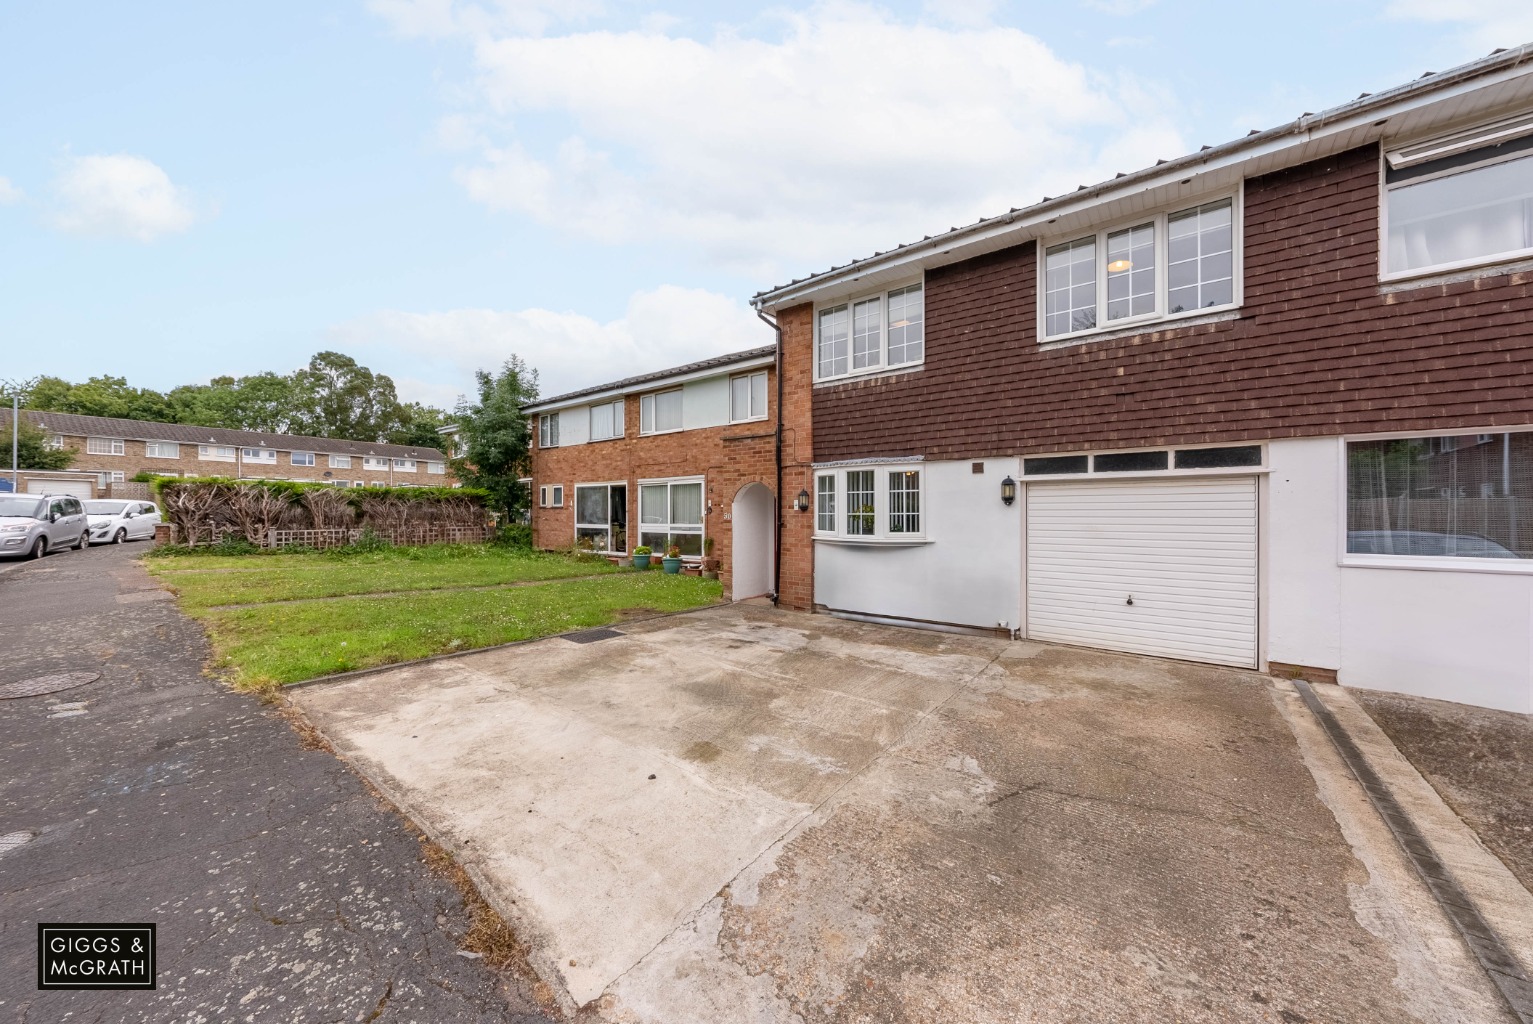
20	505
104	508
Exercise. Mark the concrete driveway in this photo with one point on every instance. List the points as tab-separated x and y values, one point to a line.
748	815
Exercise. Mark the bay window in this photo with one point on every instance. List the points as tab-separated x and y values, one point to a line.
869	503
671	513
870	333
1164	265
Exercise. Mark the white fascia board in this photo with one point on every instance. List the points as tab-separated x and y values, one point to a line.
1298	140
658	384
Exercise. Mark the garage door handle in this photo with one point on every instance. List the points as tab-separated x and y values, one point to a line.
1130	599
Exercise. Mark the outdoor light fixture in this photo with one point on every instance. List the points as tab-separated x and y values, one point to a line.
801	503
1119	266
1008	491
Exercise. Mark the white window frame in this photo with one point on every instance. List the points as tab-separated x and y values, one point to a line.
1160	217
340	461
215	452
155	449
551	496
1399	155
881	364
377	463
105	446
637	527
438	468
648	406
881	534
359	483
1427	563
606	487
404	465
259	456
294	457
55	442
548	430
616	411
118	476
750	397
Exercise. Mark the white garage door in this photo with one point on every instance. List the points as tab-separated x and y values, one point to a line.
1162	567
79	488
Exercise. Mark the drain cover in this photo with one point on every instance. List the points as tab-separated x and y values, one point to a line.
40	685
590	636
12	840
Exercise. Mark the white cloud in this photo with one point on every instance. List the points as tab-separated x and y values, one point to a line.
851	130
9	193
122	196
664	327
1484	25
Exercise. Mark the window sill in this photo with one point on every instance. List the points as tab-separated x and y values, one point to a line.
1165	323
874	542
658	433
1430	563
1452	274
753	419
870	374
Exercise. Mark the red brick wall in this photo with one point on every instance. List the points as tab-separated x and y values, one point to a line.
134	461
796	577
1319	348
727	457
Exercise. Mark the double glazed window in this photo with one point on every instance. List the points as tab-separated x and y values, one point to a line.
406	465
607	420
263	455
548	430
216	452
303	458
436	467
869	503
1166	265
1457	201
104	446
601	517
877	332
551	496
671	512
162	450
340	462
748	397
660	413
1464	496
374	462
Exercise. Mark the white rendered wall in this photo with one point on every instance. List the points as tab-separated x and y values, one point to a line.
705	403
1449	635
969	574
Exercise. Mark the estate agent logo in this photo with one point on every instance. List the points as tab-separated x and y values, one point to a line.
103	956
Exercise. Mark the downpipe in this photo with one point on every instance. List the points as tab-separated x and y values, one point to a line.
777	461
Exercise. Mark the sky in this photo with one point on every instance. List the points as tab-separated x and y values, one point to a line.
192	189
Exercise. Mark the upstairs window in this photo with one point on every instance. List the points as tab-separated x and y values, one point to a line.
406	465
436	467
660	413
548	430
875	332
104	446
748	397
303	458
1460	200
340	462
1166	265
607	420
162	450
259	455
374	462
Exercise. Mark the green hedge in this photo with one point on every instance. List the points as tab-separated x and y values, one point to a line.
293	488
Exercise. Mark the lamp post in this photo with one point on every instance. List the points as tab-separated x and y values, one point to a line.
15	444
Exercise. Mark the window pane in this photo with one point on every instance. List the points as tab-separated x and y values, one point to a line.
652	504
859	503
1219	458
1071	296
647	414
905	501
1131	272
657	542
740	398
1056	464
1128	462
668	411
867	333
591	505
589	538
825	503
907	325
691	544
601	422
1201	270
834	325
687	504
1469	496
758	394
1470	215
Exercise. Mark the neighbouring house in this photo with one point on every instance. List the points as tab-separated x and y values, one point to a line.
113	450
684	457
1266	405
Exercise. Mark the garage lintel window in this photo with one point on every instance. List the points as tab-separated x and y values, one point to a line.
885	331
1459	500
671	513
870	504
1176	263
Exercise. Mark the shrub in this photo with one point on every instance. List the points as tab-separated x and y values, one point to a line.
369	541
513	535
643	549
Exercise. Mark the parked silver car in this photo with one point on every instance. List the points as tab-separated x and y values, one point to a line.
31	525
113	520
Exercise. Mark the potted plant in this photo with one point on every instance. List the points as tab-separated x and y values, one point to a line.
710	564
641	556
672	561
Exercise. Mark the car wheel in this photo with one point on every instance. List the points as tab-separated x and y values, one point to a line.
84	541
39	547
120	536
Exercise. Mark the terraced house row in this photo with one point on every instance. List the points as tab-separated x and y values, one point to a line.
1265	405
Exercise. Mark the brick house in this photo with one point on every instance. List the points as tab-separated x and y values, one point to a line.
686	456
108	450
1266	405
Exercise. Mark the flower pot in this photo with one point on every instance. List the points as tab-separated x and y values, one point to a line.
641	561
671	565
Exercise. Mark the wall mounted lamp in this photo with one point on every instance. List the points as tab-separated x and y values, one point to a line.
1008	491
801	503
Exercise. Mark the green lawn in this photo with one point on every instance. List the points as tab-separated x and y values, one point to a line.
262	643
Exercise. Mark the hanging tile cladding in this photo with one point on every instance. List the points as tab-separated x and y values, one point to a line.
1319	348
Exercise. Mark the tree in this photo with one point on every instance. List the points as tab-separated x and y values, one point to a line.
339	398
265	401
33	451
496	436
98	396
418	426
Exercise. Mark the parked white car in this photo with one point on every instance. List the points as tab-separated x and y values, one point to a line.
113	520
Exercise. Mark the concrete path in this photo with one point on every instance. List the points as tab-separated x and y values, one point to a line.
745	815
283	891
